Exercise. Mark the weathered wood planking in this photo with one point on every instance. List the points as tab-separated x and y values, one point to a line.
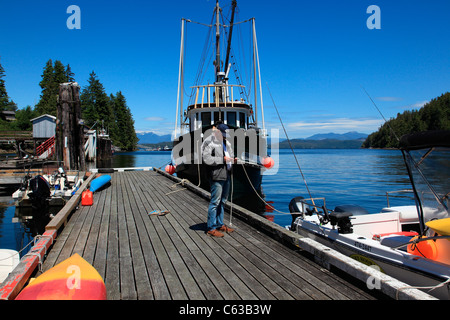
170	257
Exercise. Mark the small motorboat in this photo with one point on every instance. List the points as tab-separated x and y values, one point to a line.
409	243
42	190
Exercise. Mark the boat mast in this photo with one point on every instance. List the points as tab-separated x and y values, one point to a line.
217	62
233	10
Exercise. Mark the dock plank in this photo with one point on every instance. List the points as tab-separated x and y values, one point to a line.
171	257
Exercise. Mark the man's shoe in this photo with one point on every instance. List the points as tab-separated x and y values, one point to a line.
226	229
215	233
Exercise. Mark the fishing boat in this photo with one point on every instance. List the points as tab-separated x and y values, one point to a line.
224	98
409	243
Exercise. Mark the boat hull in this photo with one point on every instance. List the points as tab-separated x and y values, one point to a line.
411	269
247	183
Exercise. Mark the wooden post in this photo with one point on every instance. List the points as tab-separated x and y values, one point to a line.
70	134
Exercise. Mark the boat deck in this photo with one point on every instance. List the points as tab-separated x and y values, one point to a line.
170	257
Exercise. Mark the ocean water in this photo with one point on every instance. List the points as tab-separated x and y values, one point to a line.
350	176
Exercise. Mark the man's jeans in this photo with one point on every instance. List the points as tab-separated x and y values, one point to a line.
219	196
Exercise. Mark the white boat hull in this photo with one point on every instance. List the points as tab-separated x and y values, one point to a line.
360	245
9	259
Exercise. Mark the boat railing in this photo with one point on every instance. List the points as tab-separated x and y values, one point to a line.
315	207
396	191
207	96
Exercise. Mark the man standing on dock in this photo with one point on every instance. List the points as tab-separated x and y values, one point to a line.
218	156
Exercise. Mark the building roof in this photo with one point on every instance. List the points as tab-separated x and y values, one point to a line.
44	115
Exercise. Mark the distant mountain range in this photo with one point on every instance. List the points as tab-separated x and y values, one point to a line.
353	135
349	140
150	138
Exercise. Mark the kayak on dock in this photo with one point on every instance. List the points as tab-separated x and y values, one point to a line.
99	182
72	279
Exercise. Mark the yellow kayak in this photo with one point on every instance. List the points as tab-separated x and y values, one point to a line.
441	226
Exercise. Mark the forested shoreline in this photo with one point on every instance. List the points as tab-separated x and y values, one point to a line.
98	108
434	115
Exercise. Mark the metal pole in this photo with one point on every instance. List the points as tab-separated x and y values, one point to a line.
254	72
180	82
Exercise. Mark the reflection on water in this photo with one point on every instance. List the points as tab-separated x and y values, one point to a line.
360	177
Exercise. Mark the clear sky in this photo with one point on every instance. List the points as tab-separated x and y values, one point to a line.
315	56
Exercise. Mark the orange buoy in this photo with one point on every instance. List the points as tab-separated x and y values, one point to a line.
87	198
170	169
268	162
426	249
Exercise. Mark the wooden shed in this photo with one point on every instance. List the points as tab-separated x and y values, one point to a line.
44	127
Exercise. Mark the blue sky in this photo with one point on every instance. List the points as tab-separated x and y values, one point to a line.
315	56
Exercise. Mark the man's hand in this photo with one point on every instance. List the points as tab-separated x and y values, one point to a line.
228	159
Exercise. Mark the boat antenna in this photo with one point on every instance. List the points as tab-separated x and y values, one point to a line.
387	122
233	10
217	62
292	149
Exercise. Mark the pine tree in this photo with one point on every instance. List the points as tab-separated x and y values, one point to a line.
47	103
126	136
435	115
59	76
4	99
70	76
23	119
52	77
5	102
95	104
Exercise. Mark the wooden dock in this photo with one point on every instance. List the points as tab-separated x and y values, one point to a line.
151	257
170	257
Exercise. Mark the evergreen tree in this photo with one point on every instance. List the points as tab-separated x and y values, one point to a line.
125	138
4	99
47	103
70	76
5	102
59	76
435	115
95	104
52	77
23	119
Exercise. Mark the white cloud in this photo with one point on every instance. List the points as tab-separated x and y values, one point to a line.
415	106
389	99
338	125
154	119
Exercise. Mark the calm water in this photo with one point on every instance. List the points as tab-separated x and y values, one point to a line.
342	176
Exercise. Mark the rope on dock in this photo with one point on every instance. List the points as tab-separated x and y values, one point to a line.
421	288
182	182
34	241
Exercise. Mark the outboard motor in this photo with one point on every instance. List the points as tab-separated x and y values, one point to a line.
297	209
341	217
40	191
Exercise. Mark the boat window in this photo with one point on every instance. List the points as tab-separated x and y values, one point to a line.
242	120
231	118
216	116
206	119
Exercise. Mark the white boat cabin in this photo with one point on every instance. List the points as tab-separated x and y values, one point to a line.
216	102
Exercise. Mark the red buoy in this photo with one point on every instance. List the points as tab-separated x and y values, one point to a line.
170	169
268	162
